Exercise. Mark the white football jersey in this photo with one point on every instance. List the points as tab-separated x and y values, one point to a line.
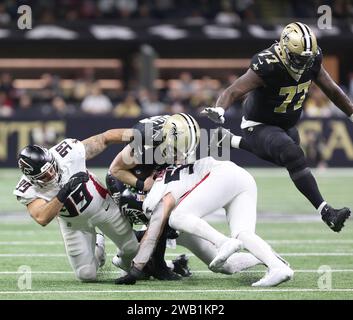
178	180
88	198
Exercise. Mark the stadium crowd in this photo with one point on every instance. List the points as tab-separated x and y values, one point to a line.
86	96
194	12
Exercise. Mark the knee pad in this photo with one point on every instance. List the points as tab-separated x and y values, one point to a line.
292	157
87	272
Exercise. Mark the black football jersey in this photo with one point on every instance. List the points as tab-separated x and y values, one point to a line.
147	137
279	102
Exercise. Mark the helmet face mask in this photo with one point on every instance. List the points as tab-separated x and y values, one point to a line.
39	166
181	136
299	47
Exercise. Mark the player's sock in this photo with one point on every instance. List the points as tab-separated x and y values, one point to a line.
244	145
306	184
321	206
260	249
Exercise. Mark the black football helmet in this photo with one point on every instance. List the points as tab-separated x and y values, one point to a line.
39	165
131	201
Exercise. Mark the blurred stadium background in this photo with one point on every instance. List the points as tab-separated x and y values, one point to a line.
87	66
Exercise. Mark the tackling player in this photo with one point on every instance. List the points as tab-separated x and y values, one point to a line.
278	81
56	183
185	193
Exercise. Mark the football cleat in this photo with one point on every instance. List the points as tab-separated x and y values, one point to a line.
100	242
225	251
335	218
181	266
166	275
275	276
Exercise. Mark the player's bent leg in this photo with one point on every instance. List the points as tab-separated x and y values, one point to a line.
293	158
119	230
80	248
206	252
87	272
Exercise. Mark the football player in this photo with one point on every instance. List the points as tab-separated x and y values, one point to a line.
131	203
134	166
56	184
278	81
185	193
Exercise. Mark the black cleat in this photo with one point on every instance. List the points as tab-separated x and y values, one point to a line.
335	218
181	266
166	275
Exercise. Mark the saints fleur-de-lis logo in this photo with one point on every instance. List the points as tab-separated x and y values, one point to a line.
174	132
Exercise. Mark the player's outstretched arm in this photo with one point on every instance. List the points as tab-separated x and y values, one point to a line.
159	218
244	84
122	163
44	212
334	92
97	144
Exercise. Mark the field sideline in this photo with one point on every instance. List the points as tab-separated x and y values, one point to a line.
286	220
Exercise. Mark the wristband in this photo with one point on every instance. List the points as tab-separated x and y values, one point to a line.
351	117
140	184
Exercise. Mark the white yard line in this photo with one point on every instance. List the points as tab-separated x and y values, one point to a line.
193	271
287	242
290	254
176	291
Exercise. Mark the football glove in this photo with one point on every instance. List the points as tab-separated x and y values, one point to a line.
216	114
133	275
71	185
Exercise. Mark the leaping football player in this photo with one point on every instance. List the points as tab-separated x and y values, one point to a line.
278	81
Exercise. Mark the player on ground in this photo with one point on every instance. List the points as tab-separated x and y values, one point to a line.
185	193
131	203
278	81
56	183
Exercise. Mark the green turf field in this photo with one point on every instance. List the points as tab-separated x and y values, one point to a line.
307	244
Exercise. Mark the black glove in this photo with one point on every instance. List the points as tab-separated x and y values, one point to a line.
71	185
131	278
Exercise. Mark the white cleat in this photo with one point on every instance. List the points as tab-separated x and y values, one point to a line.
274	277
224	252
100	242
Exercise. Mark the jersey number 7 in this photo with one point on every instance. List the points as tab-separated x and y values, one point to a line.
292	92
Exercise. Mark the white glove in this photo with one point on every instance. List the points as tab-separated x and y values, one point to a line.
215	114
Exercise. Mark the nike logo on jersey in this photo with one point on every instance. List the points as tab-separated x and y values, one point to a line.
106	209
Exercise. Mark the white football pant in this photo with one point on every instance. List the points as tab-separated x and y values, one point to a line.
80	239
233	188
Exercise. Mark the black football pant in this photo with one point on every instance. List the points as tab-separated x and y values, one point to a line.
281	147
